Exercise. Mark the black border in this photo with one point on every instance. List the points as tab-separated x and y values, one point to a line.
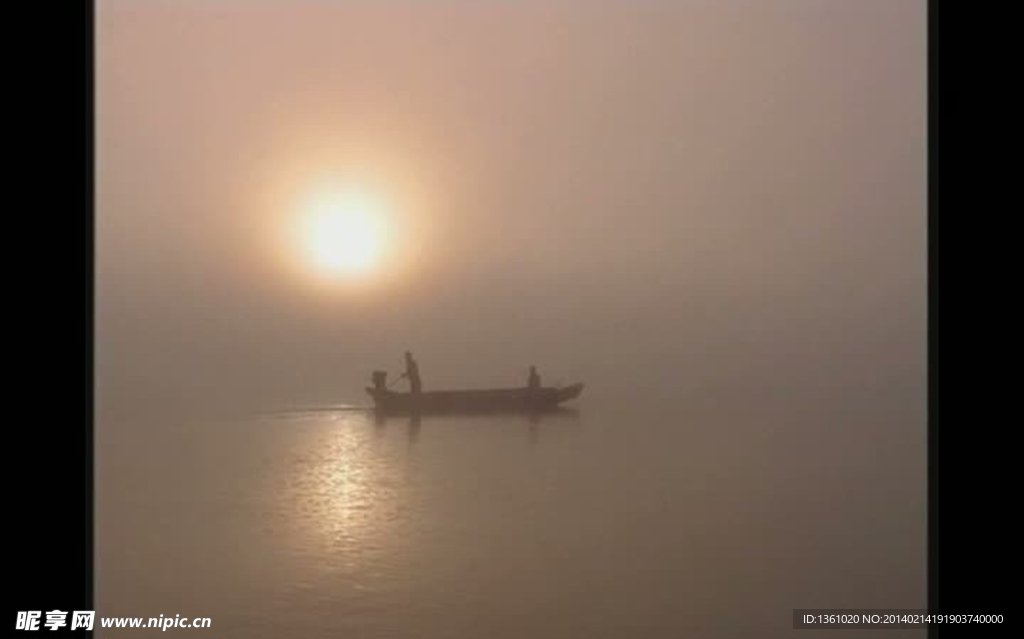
88	302
48	225
972	462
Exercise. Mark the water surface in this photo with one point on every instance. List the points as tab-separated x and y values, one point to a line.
609	521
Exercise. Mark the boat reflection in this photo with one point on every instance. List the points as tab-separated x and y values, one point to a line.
559	413
533	419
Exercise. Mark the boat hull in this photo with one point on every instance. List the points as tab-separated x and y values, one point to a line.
496	400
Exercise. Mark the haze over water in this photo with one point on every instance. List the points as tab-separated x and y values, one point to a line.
713	214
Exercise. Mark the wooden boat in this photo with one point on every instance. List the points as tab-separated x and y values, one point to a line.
499	400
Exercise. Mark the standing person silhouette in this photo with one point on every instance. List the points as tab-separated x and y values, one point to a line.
412	371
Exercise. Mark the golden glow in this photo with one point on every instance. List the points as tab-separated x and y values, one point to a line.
341	217
343	504
344	232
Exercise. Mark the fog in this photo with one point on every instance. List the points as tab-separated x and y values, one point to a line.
715	202
712	213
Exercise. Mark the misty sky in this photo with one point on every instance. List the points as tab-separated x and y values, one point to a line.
645	195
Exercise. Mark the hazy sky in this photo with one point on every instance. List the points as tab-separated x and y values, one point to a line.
646	195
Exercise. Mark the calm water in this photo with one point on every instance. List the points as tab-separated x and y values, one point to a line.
612	521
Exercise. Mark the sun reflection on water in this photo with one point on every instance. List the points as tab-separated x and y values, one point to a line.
345	495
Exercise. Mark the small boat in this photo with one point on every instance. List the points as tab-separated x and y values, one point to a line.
499	399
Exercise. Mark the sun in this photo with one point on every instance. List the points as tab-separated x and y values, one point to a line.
343	233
